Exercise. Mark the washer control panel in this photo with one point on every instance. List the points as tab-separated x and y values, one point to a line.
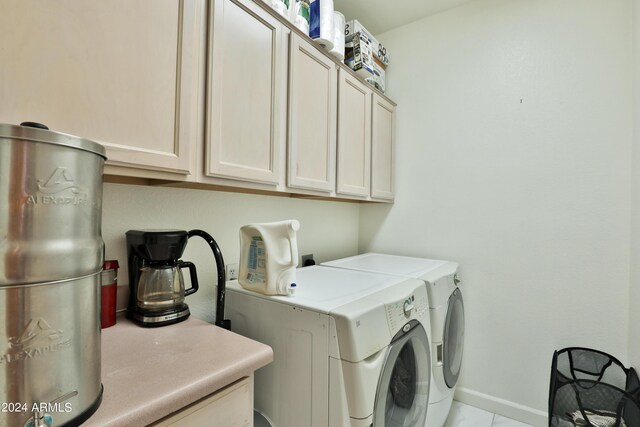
413	305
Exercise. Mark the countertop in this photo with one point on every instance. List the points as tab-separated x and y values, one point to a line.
149	373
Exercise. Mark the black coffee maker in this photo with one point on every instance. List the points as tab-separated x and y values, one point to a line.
156	283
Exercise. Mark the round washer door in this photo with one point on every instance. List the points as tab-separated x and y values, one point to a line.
453	339
403	387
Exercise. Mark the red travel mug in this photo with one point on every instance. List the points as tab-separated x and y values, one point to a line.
108	293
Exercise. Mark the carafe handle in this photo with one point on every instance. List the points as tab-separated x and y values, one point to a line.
192	274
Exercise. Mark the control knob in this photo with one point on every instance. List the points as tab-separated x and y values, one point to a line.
408	307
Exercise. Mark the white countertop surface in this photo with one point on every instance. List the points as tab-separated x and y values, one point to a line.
149	373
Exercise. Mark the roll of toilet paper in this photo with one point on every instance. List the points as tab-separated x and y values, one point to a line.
338	36
321	23
299	15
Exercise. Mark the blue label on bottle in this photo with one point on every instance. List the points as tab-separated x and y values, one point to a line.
314	19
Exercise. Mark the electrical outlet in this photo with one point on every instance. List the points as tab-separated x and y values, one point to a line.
308	260
231	271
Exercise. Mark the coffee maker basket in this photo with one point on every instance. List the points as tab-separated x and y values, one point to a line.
592	388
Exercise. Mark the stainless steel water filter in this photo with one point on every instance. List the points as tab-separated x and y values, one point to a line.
51	255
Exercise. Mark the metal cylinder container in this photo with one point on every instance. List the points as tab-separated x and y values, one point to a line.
50	352
50	205
51	255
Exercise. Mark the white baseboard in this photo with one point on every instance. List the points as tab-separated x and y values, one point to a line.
502	407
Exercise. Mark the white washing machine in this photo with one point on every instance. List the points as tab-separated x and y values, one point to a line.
447	318
351	349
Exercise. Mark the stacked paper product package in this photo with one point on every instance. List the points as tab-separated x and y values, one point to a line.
365	55
326	27
348	42
338	36
280	6
299	15
321	23
296	11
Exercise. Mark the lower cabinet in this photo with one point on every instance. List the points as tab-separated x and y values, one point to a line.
230	407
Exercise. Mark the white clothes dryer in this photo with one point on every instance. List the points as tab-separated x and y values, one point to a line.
351	349
447	318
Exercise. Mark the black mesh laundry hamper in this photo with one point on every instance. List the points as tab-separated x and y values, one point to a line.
591	388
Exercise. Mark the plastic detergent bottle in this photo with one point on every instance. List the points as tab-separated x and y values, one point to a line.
269	257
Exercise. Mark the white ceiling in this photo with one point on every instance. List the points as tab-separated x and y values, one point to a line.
379	16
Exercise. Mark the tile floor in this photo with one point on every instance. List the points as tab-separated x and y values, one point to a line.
462	415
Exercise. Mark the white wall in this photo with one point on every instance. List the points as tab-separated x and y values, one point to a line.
328	229
513	158
634	294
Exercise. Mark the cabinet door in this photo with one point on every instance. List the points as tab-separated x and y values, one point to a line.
119	72
354	136
247	93
229	407
312	118
382	149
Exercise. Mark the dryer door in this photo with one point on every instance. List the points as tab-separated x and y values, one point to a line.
453	339
403	387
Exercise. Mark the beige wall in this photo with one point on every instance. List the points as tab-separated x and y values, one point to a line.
328	229
514	143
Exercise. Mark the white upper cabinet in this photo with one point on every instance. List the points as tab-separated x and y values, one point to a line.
122	73
191	92
246	98
312	118
382	149
354	136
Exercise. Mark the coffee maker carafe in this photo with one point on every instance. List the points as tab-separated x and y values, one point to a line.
161	285
156	281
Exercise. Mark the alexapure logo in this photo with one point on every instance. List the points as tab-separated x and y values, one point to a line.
59	180
59	189
37	339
